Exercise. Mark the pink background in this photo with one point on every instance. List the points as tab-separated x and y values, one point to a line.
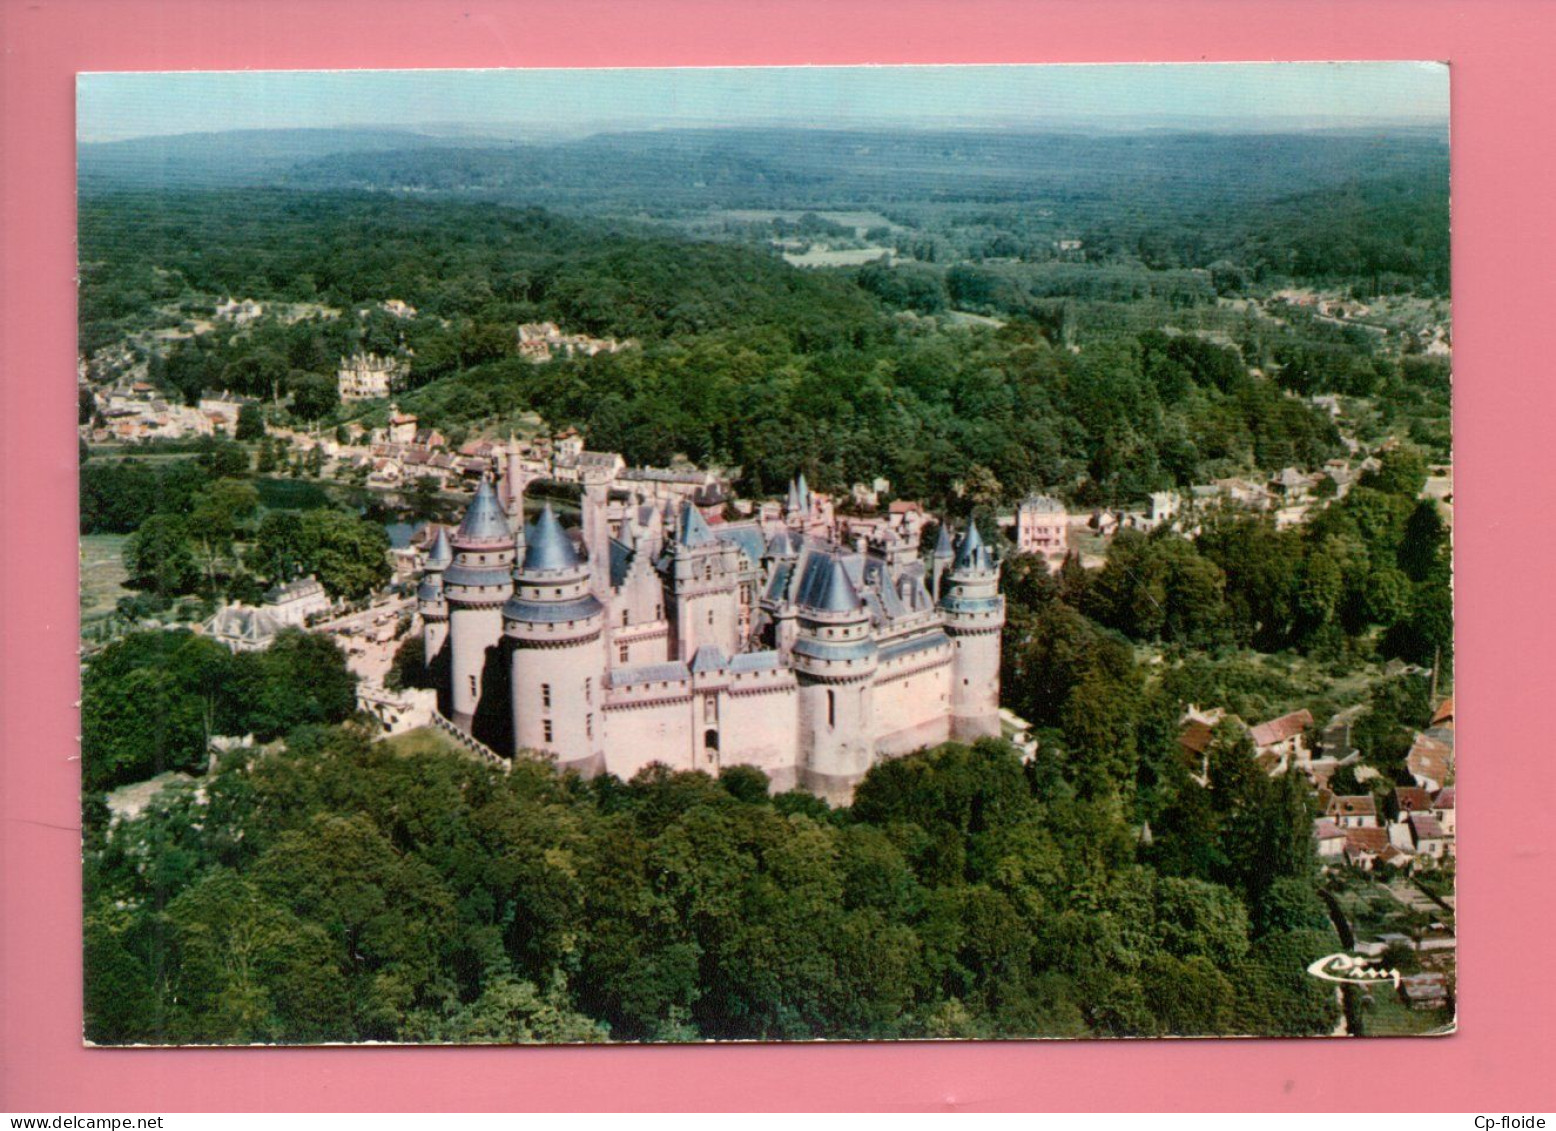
1503	211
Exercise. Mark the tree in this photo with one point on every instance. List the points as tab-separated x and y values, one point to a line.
313	395
301	679
349	555
159	556
251	422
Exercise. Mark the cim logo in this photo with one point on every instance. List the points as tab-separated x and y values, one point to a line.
1351	970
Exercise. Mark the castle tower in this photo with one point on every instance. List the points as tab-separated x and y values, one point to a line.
556	628
704	588
941	561
974	615
475	587
596	532
835	660
432	606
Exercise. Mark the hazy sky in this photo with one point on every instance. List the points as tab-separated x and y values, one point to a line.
113	106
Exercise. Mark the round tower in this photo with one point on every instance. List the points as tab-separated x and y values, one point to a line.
556	626
835	660
432	605
974	614
475	587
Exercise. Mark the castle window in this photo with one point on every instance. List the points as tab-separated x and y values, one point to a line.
625	613
589	727
546	730
710	617
831	708
545	696
623	652
707	571
589	689
472	686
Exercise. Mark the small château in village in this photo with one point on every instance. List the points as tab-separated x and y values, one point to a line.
789	641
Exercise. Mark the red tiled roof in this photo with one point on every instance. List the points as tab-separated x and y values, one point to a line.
1372	841
1425	827
1444	713
1412	799
1444	799
1429	758
1278	730
1325	829
1353	806
1195	737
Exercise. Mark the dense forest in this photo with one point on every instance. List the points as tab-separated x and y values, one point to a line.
340	891
744	360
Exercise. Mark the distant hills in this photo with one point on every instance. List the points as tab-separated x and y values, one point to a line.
671	170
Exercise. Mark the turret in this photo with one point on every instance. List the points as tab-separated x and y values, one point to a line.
475	587
835	660
703	588
432	605
941	560
974	614
555	624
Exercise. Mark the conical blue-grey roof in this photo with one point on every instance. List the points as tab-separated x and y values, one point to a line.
485	521
440	556
825	587
972	554
694	528
779	546
943	543
547	546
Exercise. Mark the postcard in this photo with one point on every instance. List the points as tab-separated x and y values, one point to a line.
770	554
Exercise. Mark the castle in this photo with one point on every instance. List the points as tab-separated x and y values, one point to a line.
664	637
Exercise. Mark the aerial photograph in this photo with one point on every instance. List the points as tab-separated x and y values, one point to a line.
766	554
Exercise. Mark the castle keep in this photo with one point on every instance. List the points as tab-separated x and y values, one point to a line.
659	636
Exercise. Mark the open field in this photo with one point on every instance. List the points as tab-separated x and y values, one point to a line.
844	257
425	740
102	574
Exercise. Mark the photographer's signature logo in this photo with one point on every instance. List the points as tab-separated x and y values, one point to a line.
1352	970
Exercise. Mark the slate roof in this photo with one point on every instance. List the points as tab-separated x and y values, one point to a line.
440	556
485	521
649	673
943	542
825	586
694	529
546	545
755	662
972	553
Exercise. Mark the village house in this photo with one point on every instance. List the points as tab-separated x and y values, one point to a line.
1430	761
239	312
1354	812
1427	837
1042	529
367	376
542	341
1331	839
297	601
1282	743
242	628
1364	846
1443	810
